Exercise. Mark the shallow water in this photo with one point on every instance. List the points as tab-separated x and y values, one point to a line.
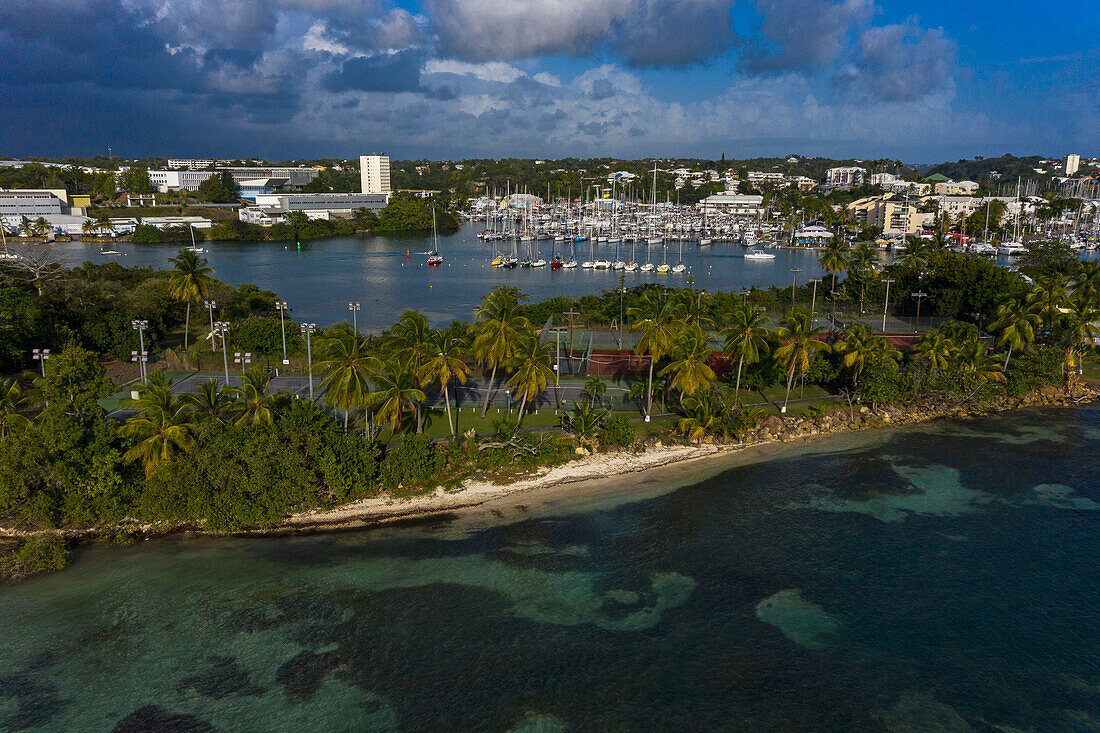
931	578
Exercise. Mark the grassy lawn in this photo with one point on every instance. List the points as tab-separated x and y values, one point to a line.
1092	371
465	420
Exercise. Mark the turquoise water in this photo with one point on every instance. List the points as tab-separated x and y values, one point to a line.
939	577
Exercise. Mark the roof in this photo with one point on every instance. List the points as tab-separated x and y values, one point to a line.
937	178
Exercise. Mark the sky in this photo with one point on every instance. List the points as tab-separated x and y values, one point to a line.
446	79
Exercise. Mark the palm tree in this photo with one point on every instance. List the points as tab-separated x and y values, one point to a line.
444	363
746	339
1047	298
584	420
89	226
161	429
393	392
693	302
861	345
347	368
531	369
656	322
412	336
705	412
862	263
1079	327
257	406
834	258
1087	282
41	226
1015	327
12	403
190	281
595	388
496	332
974	358
213	401
27	228
689	370
937	349
917	251
798	340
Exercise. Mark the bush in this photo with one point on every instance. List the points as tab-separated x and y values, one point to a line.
414	461
1040	367
39	554
618	431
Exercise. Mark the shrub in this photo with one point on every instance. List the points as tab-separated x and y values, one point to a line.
414	461
618	431
39	554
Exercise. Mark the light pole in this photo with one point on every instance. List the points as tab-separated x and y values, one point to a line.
210	306
813	302
242	359
307	331
919	295
281	306
622	292
886	304
354	308
41	355
794	283
140	325
222	327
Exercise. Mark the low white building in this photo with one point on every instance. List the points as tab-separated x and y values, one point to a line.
733	203
33	202
956	188
272	208
165	181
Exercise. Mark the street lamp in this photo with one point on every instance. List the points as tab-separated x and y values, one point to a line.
794	283
281	306
242	359
919	295
354	308
222	327
886	304
140	325
307	331
210	306
41	355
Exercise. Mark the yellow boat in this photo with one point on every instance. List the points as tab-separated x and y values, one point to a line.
498	261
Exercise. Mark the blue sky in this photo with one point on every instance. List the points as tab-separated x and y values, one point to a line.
548	78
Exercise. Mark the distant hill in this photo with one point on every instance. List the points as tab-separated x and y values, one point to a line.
1008	166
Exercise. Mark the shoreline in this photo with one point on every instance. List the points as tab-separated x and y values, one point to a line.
544	486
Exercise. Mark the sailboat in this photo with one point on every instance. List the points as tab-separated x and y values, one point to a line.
631	266
648	266
435	258
572	263
679	266
617	264
193	248
663	267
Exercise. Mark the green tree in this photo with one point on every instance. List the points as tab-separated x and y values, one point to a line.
394	391
135	180
257	407
859	345
595	388
347	367
496	332
1015	327
190	281
213	401
656	321
583	421
12	405
689	370
798	339
834	258
444	363
937	349
746	339
161	429
531	370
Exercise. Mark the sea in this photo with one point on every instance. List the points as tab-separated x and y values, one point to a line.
934	577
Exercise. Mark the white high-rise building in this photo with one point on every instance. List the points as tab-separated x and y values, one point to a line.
374	172
1070	164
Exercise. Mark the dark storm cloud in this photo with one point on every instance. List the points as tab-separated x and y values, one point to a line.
803	34
900	63
396	72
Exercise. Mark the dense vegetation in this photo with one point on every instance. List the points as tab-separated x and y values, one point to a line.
230	458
